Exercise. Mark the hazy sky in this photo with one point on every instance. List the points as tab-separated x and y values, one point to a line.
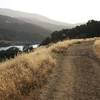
71	11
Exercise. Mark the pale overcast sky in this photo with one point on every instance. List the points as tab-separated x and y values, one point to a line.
71	11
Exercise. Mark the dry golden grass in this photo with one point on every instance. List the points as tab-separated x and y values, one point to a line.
61	47
97	47
25	74
24	77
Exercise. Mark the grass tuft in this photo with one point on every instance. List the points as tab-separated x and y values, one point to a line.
97	47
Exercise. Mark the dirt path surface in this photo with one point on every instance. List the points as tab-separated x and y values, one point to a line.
78	77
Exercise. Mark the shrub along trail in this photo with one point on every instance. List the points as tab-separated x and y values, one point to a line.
78	76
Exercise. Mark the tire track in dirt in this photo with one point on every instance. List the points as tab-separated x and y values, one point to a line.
78	77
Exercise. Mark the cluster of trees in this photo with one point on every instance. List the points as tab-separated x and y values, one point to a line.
13	51
88	30
9	53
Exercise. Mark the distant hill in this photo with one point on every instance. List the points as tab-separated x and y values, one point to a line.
13	29
37	19
21	26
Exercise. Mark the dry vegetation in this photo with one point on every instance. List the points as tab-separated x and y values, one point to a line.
97	47
24	77
61	47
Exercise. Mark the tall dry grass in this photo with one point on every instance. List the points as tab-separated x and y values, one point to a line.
24	77
61	47
97	47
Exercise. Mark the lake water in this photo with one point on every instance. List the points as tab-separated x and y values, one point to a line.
20	47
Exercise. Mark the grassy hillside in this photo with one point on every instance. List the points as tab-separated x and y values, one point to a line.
24	77
17	30
36	19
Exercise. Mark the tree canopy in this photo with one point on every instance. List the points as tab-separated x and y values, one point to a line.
88	30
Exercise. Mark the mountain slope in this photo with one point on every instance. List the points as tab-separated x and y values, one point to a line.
18	30
37	19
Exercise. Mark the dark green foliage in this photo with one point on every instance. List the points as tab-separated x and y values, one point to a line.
9	53
88	30
27	48
46	41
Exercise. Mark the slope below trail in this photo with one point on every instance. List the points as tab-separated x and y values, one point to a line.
78	77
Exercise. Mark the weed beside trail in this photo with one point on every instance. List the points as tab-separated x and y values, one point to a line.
97	47
25	74
61	47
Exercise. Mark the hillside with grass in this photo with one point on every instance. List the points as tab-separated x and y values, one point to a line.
36	19
27	74
12	29
39	75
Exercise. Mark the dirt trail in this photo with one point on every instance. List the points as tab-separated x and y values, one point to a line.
78	77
